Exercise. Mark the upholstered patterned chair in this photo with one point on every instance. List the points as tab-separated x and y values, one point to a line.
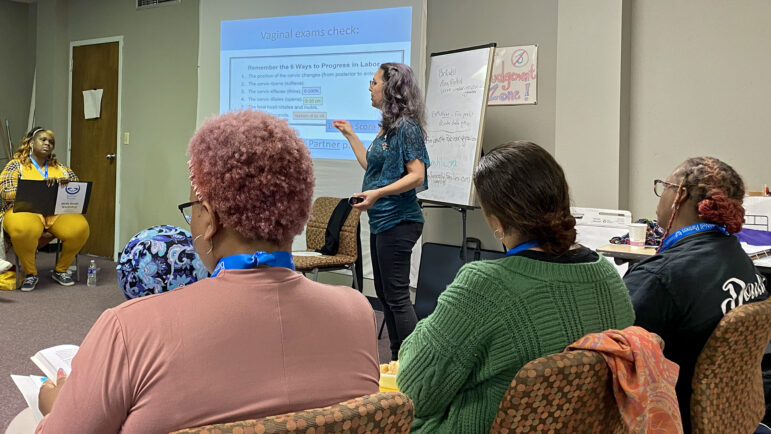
384	412
727	382
564	392
348	251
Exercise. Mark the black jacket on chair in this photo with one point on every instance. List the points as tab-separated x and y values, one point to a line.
336	222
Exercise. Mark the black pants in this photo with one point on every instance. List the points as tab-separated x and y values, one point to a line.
391	251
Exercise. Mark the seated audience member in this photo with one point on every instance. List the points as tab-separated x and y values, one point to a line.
498	315
158	259
35	160
253	340
700	271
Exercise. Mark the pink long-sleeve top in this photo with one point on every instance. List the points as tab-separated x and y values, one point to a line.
246	344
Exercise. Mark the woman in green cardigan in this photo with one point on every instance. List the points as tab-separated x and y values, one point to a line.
498	315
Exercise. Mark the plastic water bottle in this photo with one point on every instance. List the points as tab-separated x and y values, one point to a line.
91	281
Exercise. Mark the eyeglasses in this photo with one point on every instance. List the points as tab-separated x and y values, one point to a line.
372	83
187	210
659	186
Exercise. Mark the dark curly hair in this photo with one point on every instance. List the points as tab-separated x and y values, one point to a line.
525	188
716	188
402	98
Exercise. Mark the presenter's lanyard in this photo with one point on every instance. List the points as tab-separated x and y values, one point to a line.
37	166
520	247
278	258
689	230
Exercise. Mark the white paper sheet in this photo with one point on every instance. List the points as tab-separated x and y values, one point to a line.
92	103
29	386
303	253
51	359
750	249
763	262
70	198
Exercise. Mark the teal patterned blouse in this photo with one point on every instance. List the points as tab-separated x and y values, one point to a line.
387	158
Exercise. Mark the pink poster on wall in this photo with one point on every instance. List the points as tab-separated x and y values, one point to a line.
514	76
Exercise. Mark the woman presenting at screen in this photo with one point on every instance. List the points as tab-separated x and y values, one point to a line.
395	171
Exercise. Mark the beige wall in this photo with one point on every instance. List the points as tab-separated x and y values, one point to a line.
592	109
52	63
158	101
17	63
700	86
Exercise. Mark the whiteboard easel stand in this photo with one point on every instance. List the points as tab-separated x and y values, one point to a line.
464	90
463	209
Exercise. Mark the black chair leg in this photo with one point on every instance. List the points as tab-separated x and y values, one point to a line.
382	326
356	284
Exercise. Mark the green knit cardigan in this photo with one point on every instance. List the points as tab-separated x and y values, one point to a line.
494	318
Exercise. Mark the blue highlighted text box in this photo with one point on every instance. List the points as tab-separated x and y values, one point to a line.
359	126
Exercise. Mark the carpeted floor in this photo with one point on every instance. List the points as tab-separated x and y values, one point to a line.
53	315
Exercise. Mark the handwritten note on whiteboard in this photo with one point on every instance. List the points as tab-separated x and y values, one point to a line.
455	103
514	76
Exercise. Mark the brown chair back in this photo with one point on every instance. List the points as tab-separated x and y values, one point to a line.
317	227
384	412
563	392
727	381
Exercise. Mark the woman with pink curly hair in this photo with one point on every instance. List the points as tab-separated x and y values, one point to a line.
254	339
701	271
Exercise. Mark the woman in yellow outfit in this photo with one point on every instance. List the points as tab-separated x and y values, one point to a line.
35	160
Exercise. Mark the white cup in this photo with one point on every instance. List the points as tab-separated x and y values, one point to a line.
637	234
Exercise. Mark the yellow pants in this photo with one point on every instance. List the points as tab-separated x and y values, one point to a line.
26	228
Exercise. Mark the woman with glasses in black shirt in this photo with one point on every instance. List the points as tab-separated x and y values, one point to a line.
700	271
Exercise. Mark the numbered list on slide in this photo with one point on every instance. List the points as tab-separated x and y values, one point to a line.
312	70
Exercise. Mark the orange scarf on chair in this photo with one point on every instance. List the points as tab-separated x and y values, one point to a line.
643	380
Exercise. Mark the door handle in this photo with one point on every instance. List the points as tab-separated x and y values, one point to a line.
110	156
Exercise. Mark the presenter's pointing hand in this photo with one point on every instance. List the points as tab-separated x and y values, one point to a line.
369	196
344	127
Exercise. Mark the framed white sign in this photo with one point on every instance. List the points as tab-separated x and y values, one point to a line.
514	76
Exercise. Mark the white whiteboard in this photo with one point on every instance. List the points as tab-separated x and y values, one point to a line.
456	97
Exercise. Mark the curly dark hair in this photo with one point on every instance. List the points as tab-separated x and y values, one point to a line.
716	188
525	188
402	98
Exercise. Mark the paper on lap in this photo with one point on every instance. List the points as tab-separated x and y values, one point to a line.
51	359
29	385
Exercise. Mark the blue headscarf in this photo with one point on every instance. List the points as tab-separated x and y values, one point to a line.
158	259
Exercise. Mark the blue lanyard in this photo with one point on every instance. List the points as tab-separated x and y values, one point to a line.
278	258
37	166
523	246
689	230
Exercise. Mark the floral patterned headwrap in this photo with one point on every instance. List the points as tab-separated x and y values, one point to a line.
158	259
